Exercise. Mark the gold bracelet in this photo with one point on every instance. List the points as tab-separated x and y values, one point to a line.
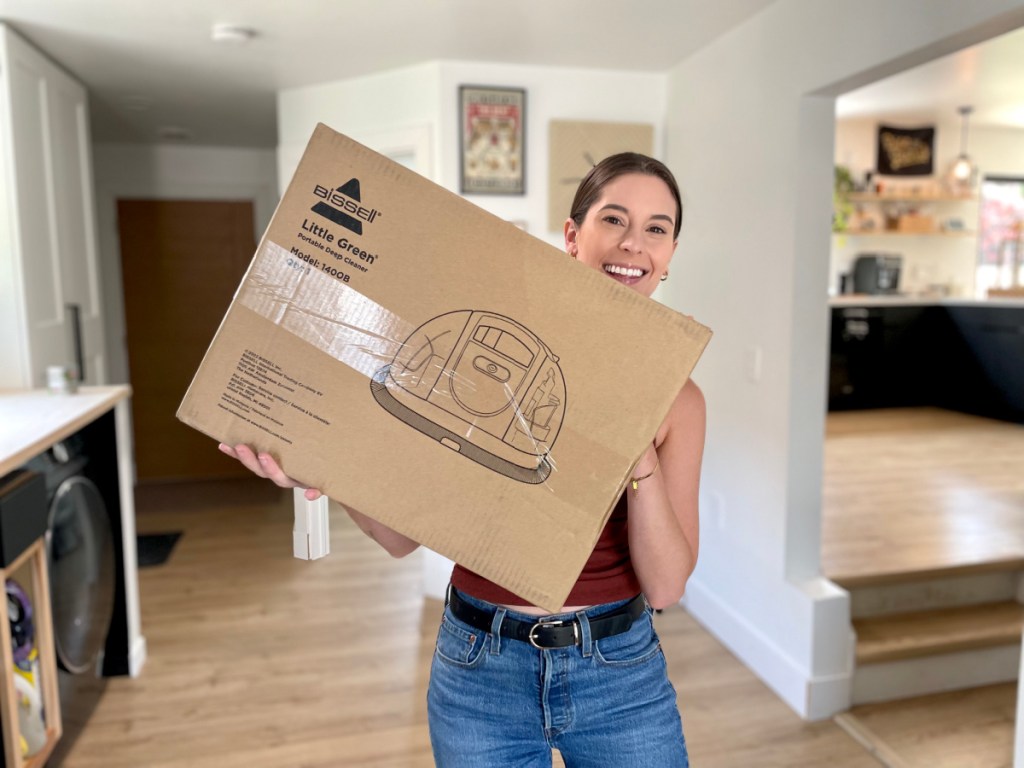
636	480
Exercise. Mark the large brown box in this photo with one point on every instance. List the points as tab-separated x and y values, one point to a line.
440	370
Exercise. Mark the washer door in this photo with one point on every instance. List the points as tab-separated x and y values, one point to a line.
82	578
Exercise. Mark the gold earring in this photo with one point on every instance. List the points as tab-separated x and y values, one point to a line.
665	276
572	254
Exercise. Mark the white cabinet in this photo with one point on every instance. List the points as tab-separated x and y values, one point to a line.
49	262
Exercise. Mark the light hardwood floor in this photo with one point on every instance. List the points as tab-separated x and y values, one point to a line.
914	492
260	660
920	489
961	729
257	659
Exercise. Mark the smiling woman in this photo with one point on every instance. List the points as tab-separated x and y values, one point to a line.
483	701
625	220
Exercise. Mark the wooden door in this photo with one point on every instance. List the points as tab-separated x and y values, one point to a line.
181	262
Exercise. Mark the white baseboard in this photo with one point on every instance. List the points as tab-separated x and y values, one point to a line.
811	698
137	656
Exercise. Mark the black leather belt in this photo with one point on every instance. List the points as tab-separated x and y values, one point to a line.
546	633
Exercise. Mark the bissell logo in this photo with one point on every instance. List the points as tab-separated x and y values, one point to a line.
342	206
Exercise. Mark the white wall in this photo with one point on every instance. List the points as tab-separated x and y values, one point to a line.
131	171
927	261
375	109
750	127
387	111
551	94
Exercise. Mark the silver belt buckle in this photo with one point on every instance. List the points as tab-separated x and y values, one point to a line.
554	625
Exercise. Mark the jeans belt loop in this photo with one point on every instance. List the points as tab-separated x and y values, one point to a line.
499	617
586	642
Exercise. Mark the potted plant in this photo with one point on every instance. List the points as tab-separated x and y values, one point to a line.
842	208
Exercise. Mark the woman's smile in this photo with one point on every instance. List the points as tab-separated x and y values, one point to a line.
628	233
627	275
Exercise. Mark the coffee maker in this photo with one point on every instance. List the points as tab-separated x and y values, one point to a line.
876	273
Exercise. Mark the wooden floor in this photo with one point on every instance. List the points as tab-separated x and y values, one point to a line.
258	660
915	492
919	490
962	729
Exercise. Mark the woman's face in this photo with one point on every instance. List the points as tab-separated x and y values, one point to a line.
627	233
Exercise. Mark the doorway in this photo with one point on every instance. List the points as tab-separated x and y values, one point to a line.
942	259
181	262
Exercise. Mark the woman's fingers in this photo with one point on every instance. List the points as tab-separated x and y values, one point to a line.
248	459
264	465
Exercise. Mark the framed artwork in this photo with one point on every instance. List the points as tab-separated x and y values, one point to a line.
492	140
905	151
574	147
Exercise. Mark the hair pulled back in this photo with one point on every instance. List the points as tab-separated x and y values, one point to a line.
610	169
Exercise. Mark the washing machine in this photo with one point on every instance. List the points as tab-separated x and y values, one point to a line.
86	572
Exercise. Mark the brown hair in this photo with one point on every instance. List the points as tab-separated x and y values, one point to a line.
610	169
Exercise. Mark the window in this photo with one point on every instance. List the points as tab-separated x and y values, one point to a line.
1000	235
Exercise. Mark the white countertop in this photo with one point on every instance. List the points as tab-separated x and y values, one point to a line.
866	300
33	420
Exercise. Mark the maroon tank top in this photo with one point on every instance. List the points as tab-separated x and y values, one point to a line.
607	576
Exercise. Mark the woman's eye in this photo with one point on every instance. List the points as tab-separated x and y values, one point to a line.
613	219
658	230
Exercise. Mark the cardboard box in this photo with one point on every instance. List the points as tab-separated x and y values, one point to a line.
438	369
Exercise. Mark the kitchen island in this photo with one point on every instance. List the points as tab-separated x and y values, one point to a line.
31	422
899	351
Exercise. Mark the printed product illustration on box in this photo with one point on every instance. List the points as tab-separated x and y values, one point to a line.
483	385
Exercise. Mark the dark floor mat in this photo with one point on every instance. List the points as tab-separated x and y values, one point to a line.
155	548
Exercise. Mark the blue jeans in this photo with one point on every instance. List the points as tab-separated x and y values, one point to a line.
498	702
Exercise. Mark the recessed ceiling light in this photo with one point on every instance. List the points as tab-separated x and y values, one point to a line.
232	33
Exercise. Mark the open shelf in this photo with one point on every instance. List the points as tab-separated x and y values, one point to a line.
867	197
33	558
899	233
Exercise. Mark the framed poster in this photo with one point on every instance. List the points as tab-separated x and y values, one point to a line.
492	140
905	151
575	146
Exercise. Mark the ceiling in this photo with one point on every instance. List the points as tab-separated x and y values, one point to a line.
154	74
988	77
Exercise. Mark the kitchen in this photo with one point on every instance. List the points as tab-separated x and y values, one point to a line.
926	387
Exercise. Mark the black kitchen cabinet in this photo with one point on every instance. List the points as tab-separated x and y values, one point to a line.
876	356
991	381
855	377
967	358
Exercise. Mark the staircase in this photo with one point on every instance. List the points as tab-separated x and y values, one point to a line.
937	630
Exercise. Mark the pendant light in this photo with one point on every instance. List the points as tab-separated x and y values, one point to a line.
963	172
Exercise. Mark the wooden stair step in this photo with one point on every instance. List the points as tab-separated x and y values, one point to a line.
877	578
923	633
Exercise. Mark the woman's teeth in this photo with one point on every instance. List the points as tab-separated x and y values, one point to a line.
614	269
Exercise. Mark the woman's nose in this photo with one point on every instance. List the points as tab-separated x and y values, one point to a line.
631	241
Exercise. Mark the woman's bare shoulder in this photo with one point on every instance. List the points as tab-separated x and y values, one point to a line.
689	402
687	413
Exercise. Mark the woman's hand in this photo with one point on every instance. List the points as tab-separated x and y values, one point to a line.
264	465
